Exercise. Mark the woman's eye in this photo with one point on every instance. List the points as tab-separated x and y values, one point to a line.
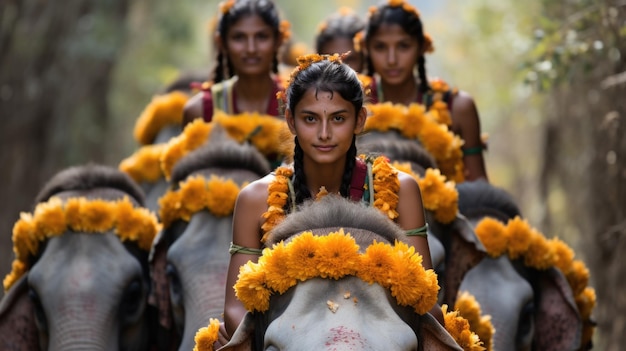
309	119
339	118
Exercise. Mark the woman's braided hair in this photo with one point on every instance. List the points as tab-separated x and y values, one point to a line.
232	11
406	16
325	73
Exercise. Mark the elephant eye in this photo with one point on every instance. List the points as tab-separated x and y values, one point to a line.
40	314
133	301
175	284
526	326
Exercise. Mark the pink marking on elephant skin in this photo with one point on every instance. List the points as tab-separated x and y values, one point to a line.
343	337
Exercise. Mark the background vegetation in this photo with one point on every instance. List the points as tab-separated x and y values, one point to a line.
549	78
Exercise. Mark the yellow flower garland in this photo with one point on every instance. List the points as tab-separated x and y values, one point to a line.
55	217
438	195
144	165
163	110
205	337
439	108
519	241
216	194
469	308
459	328
262	131
413	122
385	182
397	268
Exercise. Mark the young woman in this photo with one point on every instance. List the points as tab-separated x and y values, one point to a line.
396	44
324	111
248	37
336	35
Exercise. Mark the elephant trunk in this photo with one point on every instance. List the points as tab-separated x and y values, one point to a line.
75	332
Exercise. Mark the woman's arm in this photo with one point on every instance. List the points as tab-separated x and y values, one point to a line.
193	108
247	219
466	123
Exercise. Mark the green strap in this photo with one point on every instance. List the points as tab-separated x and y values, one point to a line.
244	250
473	150
421	231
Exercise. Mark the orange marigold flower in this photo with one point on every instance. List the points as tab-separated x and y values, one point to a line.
494	236
303	261
519	233
250	288
276	265
163	110
338	256
564	254
377	262
222	195
577	276
469	308
540	254
205	337
145	164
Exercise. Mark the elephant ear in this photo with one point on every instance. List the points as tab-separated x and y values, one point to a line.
435	337
558	324
18	331
463	251
243	336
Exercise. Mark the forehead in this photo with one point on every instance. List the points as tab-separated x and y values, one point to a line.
321	100
390	31
337	45
250	23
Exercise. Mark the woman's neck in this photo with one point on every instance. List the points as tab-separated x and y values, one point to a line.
403	93
328	176
253	93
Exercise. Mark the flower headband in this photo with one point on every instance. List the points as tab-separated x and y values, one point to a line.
428	41
54	217
395	267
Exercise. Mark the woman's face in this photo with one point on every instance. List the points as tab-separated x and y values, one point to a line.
340	45
325	124
393	53
251	46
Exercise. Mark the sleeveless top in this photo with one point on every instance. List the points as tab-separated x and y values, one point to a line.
221	96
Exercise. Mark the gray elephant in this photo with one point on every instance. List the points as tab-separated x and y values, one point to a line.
530	309
85	253
343	312
190	257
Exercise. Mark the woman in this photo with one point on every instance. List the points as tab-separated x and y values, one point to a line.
396	44
249	35
324	111
336	35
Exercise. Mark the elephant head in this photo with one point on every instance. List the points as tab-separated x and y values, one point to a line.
530	308
340	304
190	258
85	279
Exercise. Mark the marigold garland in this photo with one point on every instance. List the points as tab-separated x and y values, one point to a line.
144	165
519	241
385	182
55	217
413	122
469	308
334	256
459	328
261	130
216	194
162	111
438	195
206	336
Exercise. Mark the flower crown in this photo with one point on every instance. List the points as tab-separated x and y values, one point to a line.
519	240
406	7
55	217
334	256
216	194
305	62
225	6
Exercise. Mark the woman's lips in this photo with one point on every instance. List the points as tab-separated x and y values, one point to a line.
324	148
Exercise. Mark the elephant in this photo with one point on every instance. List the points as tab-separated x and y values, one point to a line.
83	288
340	312
190	257
530	309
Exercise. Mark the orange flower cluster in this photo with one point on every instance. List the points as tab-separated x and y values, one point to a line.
215	194
334	256
469	308
459	328
55	217
145	164
225	6
441	112
438	195
262	131
278	195
205	337
386	187
285	30
413	122
305	62
519	241
162	111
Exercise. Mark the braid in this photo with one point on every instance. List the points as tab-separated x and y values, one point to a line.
369	66
231	69
347	173
299	178
218	74
275	64
421	69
